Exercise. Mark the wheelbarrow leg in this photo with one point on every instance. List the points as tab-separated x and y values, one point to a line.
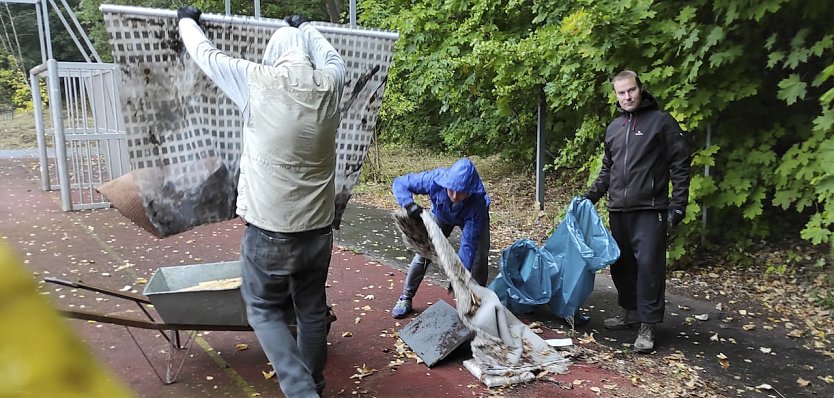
170	374
173	346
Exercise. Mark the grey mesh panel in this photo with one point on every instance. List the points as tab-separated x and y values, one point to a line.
186	134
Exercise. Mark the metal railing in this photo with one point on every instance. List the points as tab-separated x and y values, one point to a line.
87	129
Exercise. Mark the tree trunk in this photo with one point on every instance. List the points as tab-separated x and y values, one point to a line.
334	9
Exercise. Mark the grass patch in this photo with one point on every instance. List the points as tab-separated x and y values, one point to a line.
18	131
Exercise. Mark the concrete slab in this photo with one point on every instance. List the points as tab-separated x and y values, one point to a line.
435	333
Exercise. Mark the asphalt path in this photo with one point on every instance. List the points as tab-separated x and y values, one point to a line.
704	332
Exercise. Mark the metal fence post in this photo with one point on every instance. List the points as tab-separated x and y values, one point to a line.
43	154
58	133
540	188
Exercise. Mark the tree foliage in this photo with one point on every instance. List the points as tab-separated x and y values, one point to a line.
14	89
758	75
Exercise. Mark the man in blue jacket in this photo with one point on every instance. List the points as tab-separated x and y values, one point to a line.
458	199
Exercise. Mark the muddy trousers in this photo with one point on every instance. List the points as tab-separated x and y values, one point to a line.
419	265
282	273
640	272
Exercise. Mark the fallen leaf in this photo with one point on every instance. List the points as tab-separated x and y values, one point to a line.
802	382
748	327
357	320
347	334
241	347
765	350
268	375
796	333
362	372
764	387
722	359
702	317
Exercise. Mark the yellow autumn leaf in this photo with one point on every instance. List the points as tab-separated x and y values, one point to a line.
802	382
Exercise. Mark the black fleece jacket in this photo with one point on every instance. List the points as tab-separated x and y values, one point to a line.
644	151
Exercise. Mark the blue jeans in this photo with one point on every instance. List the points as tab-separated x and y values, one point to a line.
419	265
283	272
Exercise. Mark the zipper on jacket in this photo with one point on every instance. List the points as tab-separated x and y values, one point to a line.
625	161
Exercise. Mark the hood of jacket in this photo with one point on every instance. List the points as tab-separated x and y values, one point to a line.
287	44
461	177
647	101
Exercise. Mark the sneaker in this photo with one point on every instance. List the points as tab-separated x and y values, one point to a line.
623	321
402	308
645	338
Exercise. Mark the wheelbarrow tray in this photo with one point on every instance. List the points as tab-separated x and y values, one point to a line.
214	306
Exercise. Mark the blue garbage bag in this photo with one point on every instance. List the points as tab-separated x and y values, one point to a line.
524	278
578	247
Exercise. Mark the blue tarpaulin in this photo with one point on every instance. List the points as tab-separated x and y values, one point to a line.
561	272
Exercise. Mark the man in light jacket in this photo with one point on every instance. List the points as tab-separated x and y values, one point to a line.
290	106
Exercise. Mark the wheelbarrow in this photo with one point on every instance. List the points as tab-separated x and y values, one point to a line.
199	297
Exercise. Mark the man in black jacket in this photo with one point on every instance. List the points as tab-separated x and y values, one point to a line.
644	151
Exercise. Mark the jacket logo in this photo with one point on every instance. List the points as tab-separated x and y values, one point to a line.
638	132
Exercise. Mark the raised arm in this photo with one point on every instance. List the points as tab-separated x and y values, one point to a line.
229	74
324	55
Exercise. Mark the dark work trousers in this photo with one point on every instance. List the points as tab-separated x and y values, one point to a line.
640	272
283	271
419	265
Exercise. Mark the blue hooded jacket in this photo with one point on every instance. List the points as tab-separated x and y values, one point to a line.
470	215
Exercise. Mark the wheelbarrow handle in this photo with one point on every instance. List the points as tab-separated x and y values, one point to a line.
59	281
81	285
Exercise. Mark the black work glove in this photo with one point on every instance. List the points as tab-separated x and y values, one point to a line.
675	217
295	20
414	210
189	12
585	196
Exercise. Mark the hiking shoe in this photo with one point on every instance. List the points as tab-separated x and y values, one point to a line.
623	321
645	338
402	308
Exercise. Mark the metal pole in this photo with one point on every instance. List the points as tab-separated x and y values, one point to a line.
353	14
249	21
540	153
81	31
58	133
69	30
44	57
46	32
228	7
43	157
706	174
257	8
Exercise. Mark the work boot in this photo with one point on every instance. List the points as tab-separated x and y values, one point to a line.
623	321
402	308
645	338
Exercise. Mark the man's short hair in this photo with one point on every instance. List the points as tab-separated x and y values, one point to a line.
626	74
